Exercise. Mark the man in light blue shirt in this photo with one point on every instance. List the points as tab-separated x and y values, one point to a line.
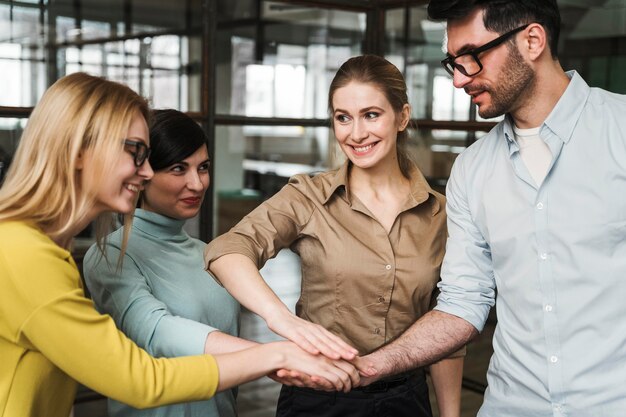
547	240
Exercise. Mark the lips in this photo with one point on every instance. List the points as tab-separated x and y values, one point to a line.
363	149
192	201
476	93
135	188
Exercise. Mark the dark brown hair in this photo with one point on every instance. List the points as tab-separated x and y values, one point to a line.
174	136
504	15
375	70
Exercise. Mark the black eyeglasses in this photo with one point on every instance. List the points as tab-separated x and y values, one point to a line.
138	150
468	63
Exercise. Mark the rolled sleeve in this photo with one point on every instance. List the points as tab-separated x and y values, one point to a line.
171	335
272	226
467	286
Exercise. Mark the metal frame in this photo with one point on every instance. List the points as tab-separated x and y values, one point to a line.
207	100
374	43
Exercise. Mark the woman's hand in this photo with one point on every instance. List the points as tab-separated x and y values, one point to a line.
311	337
364	367
299	379
317	371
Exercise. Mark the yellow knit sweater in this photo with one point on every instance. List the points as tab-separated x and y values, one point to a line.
51	336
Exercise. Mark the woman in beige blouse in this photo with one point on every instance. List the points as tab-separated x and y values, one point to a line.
371	238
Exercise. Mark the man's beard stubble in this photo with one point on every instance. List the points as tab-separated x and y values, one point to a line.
516	79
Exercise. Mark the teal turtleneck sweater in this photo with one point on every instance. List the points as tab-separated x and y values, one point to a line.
163	299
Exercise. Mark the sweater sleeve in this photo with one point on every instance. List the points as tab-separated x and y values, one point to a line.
126	295
44	309
88	347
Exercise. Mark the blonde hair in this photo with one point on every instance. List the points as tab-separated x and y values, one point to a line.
79	113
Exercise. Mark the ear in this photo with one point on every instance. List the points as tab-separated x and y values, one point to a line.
405	117
535	41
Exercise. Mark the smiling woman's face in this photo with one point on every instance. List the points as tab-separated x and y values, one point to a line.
118	191
178	190
365	124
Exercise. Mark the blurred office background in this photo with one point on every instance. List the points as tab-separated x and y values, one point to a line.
255	75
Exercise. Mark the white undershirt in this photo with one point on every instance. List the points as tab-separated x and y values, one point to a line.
534	152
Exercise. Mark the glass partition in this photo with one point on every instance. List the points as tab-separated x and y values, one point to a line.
153	47
281	64
594	42
10	131
22	54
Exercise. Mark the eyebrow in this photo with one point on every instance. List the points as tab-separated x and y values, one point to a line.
364	110
465	48
370	108
208	160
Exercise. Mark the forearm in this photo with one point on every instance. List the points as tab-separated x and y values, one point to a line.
218	342
241	277
447	375
431	338
239	367
88	347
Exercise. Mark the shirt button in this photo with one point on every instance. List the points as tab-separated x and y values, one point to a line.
381	299
544	256
554	359
539	206
387	267
377	330
548	308
556	407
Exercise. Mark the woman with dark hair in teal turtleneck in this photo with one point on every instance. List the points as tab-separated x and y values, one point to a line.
162	297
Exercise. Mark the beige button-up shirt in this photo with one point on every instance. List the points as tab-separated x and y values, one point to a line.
358	281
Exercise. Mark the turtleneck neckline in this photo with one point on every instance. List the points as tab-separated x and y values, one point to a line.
158	225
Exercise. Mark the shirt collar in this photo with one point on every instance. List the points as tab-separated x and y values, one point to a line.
420	189
564	116
339	179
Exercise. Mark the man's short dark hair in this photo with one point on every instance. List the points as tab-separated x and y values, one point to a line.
502	16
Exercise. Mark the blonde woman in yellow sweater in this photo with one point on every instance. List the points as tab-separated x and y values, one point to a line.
84	154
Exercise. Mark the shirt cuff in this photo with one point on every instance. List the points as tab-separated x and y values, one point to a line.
474	318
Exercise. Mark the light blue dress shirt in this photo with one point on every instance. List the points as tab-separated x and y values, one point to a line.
553	257
164	300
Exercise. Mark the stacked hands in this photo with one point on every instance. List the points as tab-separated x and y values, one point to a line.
316	358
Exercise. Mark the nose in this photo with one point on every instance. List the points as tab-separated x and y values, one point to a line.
460	80
145	171
359	130
194	181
